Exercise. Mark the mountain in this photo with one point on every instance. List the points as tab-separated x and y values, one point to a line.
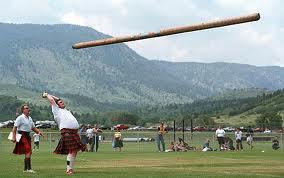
40	57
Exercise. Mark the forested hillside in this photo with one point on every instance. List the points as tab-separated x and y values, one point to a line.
39	58
202	111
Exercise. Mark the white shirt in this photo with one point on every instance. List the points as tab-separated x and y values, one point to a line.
24	123
36	137
238	135
90	133
220	133
64	118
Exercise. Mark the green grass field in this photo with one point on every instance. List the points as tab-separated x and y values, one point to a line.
142	160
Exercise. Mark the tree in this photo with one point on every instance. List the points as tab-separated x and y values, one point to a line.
124	118
272	120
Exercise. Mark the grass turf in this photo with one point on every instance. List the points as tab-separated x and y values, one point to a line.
142	160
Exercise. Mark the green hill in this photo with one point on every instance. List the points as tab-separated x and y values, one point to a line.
40	57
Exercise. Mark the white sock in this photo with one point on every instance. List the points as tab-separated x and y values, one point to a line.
72	161
69	159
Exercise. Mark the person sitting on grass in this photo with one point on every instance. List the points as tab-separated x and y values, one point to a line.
171	147
206	146
229	143
275	143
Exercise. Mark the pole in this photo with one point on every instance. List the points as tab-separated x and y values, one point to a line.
174	131
95	142
183	129
171	31
191	128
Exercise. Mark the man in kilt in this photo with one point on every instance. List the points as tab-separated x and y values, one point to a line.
24	125
69	143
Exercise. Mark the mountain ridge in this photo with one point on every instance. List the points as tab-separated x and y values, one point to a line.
40	57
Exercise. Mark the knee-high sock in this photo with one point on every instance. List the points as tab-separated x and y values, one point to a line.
28	164
69	158
73	157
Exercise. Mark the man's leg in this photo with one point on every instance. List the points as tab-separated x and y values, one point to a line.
163	143
93	144
158	143
28	167
238	146
70	162
97	143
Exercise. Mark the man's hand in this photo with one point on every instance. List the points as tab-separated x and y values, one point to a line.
44	95
14	139
40	133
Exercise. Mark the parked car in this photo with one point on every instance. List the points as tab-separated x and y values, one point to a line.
199	129
258	129
7	124
138	139
137	128
267	131
121	127
103	127
43	126
229	129
152	128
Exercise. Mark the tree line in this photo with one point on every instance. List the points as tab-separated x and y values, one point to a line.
267	107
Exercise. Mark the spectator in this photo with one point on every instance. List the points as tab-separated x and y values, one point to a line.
96	140
160	136
275	144
89	135
229	144
220	134
82	133
179	146
117	141
36	141
249	137
171	147
238	136
206	146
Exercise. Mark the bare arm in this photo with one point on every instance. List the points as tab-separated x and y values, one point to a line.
37	131
50	98
14	134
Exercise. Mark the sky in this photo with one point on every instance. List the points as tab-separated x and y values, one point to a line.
259	43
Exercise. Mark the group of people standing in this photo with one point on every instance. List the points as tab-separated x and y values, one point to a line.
90	136
225	143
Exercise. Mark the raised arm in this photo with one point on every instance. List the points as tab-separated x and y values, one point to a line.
50	98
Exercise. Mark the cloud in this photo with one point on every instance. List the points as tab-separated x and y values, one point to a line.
120	4
251	43
256	37
73	18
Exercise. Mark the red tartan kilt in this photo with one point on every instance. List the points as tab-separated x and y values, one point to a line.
24	146
69	142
